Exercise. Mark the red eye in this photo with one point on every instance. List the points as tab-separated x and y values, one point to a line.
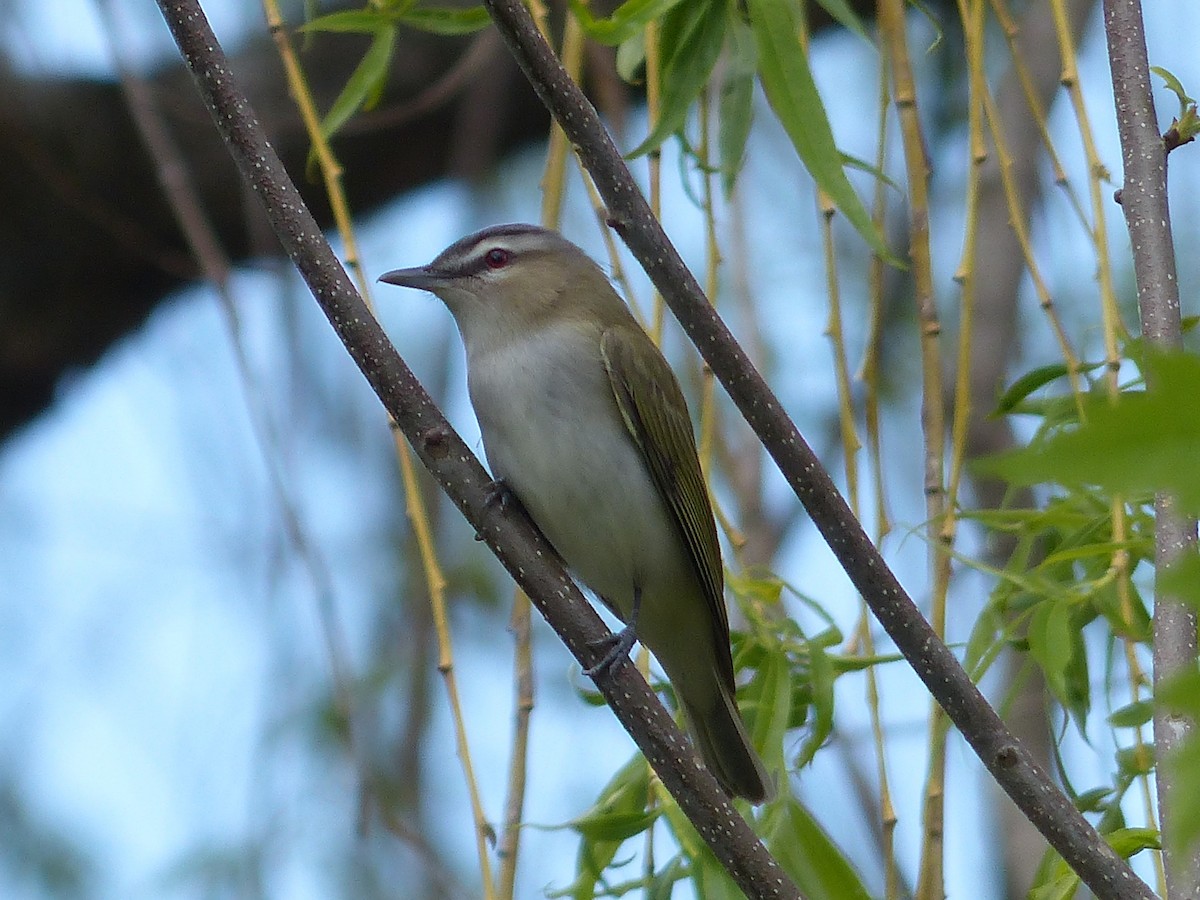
497	258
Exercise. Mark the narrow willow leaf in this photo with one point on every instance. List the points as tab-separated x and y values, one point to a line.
447	20
792	93
662	884
625	794
771	695
353	21
1134	715
1063	887
692	36
631	57
613	826
711	881
1030	382
365	83
736	108
821	677
627	20
1175	86
1050	644
843	13
809	856
1136	761
1129	841
1093	800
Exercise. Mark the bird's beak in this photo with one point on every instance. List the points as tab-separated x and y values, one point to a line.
419	277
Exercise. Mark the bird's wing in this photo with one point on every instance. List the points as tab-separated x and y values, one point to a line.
656	416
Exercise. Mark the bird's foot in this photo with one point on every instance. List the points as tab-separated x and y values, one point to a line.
498	493
618	646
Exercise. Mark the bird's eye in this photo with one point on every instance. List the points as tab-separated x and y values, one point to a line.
497	258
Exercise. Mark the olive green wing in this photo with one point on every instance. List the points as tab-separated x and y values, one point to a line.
655	413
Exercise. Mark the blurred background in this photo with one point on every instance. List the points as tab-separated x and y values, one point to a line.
204	555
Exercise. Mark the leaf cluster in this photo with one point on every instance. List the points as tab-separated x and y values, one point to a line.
1093	455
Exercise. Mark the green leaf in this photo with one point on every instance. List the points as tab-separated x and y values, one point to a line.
843	13
1146	441
620	802
366	83
1181	578
1093	800
1130	841
1183	828
1180	694
809	856
1136	761
770	695
1061	888
821	677
736	108
627	20
1175	86
790	89
355	21
711	881
691	39
1135	715
447	20
1031	381
613	826
1051	645
631	57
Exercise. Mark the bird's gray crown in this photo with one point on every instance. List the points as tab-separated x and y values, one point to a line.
469	255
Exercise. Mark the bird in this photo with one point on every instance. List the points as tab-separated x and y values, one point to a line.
584	422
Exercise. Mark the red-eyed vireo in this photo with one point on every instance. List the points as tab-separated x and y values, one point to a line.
583	420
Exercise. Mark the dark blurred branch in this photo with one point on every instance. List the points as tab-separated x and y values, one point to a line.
90	245
1008	761
518	545
1148	216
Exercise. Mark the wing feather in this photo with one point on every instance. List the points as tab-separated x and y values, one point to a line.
655	413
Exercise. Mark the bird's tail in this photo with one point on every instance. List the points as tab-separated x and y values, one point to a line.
726	749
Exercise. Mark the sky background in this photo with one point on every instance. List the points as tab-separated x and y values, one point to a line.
161	654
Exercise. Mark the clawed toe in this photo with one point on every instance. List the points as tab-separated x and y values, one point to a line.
618	645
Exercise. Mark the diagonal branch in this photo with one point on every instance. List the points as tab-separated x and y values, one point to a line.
519	546
1009	762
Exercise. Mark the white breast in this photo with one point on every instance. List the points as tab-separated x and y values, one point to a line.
552	432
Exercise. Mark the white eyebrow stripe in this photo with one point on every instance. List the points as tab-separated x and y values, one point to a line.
467	254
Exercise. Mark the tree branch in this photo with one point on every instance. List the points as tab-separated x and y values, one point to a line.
1010	764
519	546
1143	198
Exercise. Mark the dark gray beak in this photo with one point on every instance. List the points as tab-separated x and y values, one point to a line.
419	277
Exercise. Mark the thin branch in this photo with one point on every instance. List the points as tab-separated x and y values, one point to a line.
1148	217
1031	789
527	555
